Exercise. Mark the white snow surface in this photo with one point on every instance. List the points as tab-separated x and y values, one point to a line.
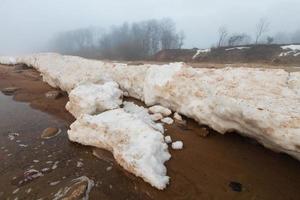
292	47
90	98
263	104
135	145
201	51
8	60
237	48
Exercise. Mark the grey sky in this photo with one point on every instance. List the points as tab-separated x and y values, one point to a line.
27	24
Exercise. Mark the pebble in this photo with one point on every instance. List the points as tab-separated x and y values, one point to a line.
50	132
235	186
78	189
9	90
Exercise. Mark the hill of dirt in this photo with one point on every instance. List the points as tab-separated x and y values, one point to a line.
272	54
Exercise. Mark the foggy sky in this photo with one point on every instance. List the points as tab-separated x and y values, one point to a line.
26	25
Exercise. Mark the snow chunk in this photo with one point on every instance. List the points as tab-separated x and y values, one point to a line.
160	109
168	139
201	51
156	116
167	120
136	146
177	145
177	116
93	98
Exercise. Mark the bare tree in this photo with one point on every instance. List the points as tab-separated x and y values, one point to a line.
261	28
238	39
223	33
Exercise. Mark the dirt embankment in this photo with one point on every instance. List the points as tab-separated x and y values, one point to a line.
270	54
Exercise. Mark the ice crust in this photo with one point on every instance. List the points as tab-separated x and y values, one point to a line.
93	98
263	104
135	145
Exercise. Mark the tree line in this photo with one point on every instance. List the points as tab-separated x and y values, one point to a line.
261	36
129	41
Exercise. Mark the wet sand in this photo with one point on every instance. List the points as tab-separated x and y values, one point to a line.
202	170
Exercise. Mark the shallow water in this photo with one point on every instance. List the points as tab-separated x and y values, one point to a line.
28	151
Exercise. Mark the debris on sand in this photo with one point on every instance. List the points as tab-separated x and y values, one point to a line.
50	132
27	177
177	145
136	146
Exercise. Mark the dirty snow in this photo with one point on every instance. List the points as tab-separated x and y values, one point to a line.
135	145
93	98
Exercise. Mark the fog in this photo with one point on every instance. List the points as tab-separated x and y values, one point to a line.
28	25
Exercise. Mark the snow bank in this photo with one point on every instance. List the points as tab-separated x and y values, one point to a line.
260	103
161	110
136	146
93	98
8	60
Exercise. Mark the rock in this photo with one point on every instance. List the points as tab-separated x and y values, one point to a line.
203	132
160	109
167	120
79	188
9	90
235	186
50	132
54	94
103	155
